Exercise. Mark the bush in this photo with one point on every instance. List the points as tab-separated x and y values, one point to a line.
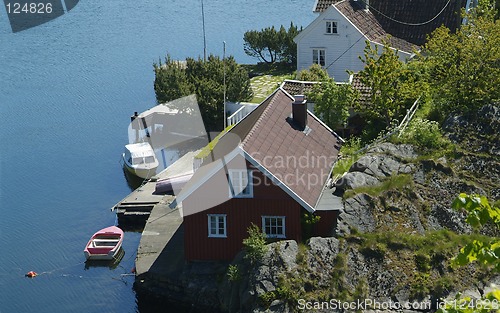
270	45
424	134
233	273
255	244
175	79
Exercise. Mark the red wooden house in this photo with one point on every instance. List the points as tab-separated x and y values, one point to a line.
269	170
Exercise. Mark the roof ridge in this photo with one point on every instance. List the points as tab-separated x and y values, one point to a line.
264	113
252	130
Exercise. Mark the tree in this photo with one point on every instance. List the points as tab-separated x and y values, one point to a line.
171	81
315	73
255	245
464	68
487	252
270	45
393	87
479	213
332	102
175	79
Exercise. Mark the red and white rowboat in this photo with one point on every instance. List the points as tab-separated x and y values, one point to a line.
104	244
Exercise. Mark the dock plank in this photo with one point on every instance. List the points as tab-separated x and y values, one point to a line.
161	248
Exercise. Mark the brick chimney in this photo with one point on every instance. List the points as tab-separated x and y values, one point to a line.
299	111
363	4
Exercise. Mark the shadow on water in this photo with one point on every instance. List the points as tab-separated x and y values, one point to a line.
133	181
111	264
147	304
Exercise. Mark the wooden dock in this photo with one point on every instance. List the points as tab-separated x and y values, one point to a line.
134	210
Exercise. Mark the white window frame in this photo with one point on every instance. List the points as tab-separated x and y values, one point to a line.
218	218
236	176
332	28
317	52
274	218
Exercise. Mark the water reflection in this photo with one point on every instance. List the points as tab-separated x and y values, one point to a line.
111	264
133	182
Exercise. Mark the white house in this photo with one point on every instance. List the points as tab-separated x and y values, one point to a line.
336	38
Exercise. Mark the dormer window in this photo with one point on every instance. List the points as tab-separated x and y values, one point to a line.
331	27
240	184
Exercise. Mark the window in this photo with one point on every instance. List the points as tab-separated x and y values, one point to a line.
319	56
331	27
274	226
240	184
217	225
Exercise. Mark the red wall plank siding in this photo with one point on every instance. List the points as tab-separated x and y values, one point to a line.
268	200
325	226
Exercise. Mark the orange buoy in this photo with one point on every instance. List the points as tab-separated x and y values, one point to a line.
31	274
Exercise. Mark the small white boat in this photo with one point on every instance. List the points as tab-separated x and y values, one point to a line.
140	160
104	244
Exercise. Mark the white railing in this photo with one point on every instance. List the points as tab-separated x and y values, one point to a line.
409	115
237	116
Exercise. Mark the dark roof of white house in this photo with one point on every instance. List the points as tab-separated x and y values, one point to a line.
409	20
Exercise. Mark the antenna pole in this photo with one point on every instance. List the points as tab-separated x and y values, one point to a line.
224	67
204	36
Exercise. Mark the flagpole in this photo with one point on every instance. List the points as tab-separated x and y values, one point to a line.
224	66
204	35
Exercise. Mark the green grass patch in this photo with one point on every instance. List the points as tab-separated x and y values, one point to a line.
395	182
343	165
442	242
265	78
263	86
349	156
205	151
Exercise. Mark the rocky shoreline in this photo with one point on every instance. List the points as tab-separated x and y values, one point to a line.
383	249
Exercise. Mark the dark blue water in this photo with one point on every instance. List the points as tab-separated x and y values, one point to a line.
67	89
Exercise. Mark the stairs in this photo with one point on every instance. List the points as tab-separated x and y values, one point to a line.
134	214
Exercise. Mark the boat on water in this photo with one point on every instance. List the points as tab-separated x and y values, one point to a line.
140	160
104	244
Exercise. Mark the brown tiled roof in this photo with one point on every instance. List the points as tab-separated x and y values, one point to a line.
322	5
300	159
396	17
366	22
417	12
364	91
297	87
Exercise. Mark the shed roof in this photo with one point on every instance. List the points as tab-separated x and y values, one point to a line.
298	161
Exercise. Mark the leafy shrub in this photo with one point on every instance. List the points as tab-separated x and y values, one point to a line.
233	272
422	262
255	244
424	134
